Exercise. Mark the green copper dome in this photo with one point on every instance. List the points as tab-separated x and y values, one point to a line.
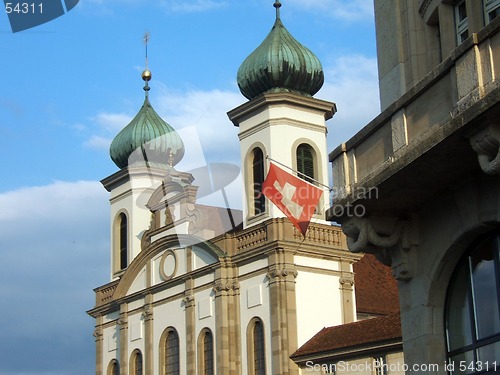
147	139
280	63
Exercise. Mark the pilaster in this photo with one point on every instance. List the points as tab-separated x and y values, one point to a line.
147	316
281	275
123	323
189	308
98	334
227	320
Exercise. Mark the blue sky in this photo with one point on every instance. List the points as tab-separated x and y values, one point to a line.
70	85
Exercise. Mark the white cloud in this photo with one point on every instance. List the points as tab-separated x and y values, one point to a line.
112	122
352	83
205	110
54	242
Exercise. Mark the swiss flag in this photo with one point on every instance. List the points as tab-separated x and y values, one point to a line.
292	195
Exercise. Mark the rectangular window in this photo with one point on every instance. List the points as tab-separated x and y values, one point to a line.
461	24
491	10
380	365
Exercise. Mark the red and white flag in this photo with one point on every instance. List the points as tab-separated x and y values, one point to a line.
296	198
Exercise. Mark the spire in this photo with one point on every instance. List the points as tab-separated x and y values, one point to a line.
280	64
277	5
147	139
146	74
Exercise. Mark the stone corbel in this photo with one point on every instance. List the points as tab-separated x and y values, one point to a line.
188	299
390	239
282	272
486	143
147	312
346	282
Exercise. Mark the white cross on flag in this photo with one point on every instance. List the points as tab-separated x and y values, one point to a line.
296	198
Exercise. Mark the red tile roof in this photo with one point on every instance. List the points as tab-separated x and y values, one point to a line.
353	335
375	287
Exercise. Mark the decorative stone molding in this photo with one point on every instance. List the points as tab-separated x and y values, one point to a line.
225	286
346	281
486	143
188	299
389	239
147	312
282	273
98	334
123	322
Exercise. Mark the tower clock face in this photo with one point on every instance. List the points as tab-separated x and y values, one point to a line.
168	265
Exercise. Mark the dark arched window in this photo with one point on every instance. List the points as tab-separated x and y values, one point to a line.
123	241
172	353
259	354
208	353
114	368
259	201
305	162
136	363
472	314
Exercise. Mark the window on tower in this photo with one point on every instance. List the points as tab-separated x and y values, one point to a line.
305	162
259	202
123	241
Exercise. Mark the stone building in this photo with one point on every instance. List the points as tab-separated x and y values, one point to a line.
431	163
193	292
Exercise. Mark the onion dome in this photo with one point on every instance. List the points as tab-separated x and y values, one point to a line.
280	64
147	139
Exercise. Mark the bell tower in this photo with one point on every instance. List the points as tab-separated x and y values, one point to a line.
281	121
145	151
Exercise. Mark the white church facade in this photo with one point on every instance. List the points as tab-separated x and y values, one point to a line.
190	291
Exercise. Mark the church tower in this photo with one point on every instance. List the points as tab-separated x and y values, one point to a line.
144	151
281	121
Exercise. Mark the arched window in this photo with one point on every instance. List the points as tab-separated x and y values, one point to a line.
305	162
472	315
171	363
123	241
136	363
259	202
206	353
113	368
256	349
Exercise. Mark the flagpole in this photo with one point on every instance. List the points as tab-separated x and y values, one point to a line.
299	173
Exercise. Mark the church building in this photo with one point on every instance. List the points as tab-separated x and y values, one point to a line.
192	292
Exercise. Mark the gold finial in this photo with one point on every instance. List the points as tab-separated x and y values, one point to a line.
146	74
277	5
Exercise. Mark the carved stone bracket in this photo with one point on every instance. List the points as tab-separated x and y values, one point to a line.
123	322
147	312
486	143
390	239
346	281
225	286
282	272
98	334
188	299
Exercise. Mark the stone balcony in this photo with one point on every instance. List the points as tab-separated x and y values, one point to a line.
450	115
